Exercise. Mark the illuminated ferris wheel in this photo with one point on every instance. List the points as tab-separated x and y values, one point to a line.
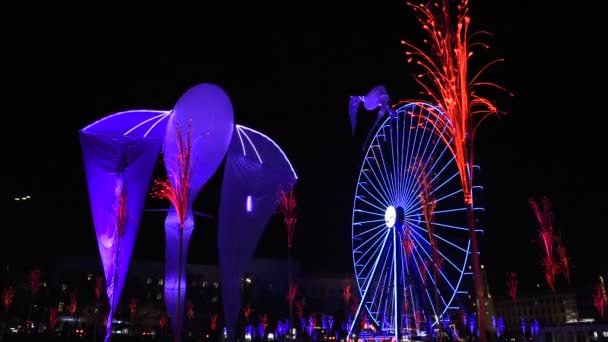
410	240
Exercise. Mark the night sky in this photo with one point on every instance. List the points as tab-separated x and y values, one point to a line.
289	74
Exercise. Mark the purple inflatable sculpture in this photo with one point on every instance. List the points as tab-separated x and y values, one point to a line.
119	153
256	171
196	140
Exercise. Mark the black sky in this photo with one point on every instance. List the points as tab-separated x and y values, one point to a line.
289	74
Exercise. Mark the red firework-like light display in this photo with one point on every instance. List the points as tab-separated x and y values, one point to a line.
600	298
288	209
544	217
162	321
563	258
287	206
8	294
98	287
35	282
408	242
445	79
512	285
53	317
176	188
550	242
213	322
73	307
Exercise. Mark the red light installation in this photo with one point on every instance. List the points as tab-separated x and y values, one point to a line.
98	287
176	188
34	279
600	298
544	217
408	242
162	321
563	258
213	322
73	307
512	285
132	310
8	294
52	317
300	308
545	221
247	312
445	79
346	291
288	209
189	312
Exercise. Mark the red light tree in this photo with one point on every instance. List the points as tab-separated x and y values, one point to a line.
564	261
288	209
52	317
176	188
600	298
213	322
34	282
73	306
544	217
189	313
8	294
162	322
512	285
446	80
132	310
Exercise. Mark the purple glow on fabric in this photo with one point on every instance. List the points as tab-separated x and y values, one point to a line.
206	110
119	154
256	167
249	205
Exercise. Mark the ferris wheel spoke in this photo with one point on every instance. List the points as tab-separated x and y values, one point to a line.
446	211
362	199
368	221
395	161
411	162
385	272
367	231
427	135
377	183
408	152
427	243
378	156
438	237
376	238
370	213
440	271
435	162
386	175
449	226
456	174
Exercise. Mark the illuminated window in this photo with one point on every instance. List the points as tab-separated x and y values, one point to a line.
161	281
204	284
149	281
216	284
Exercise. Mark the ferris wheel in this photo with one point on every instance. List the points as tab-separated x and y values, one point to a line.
410	239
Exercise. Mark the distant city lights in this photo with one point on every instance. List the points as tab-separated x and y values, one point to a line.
24	198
